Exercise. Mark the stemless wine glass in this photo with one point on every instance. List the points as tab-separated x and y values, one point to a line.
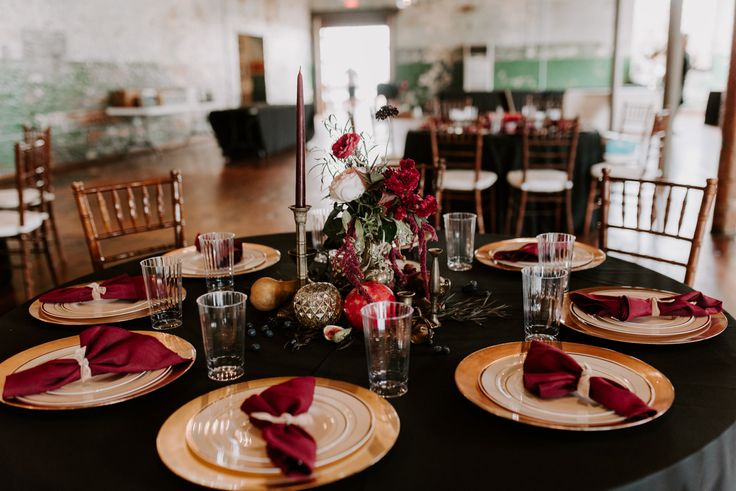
543	294
387	331
162	279
222	318
218	249
460	238
557	249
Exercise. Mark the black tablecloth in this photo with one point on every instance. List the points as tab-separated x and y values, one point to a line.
502	153
445	442
258	130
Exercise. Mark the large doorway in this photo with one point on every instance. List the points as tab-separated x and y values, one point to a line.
353	60
252	70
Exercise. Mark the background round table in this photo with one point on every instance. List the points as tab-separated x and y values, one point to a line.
446	442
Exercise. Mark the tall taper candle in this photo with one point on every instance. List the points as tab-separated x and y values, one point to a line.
300	153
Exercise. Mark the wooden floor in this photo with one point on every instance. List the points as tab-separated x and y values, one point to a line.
251	198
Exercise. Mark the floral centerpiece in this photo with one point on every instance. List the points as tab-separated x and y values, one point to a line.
378	209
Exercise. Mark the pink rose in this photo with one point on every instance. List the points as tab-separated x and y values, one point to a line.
348	185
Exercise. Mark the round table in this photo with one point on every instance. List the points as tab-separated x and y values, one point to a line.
446	442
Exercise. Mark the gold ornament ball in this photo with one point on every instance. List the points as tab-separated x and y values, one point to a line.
317	305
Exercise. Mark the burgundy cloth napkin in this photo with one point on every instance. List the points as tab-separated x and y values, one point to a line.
550	373
121	287
527	253
107	350
237	251
289	446
626	308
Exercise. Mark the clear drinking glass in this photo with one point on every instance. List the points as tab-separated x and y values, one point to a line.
460	238
218	251
543	293
162	278
222	318
387	331
557	249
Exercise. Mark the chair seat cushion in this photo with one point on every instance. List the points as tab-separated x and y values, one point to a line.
10	222
31	197
539	180
624	171
462	180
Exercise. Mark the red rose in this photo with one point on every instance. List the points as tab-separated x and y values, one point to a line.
345	145
403	181
427	207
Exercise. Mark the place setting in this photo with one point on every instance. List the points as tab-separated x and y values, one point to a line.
567	386
103	365
117	299
217	251
514	254
643	315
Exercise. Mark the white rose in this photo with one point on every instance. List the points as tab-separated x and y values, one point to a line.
347	186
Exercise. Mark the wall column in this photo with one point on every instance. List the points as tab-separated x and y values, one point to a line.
724	217
673	77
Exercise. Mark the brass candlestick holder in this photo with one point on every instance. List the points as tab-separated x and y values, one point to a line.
300	218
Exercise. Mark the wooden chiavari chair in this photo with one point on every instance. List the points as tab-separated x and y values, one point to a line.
658	210
548	162
145	206
457	163
22	223
648	164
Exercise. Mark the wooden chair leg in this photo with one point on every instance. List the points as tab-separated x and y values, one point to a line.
25	258
521	214
568	210
49	259
438	215
493	210
509	213
589	206
479	212
55	232
558	214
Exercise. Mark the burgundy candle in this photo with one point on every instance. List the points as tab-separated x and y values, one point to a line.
300	142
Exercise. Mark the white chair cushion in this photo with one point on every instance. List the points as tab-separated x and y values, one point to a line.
10	222
9	197
462	180
624	171
539	180
620	159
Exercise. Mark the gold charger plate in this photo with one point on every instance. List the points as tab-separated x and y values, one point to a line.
176	455
180	346
717	325
484	254
37	312
468	372
273	256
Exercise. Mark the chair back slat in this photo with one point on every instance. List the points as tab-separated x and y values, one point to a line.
550	147
128	221
675	223
459	151
160	203
146	205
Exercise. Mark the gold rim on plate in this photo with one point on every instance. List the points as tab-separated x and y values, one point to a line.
37	313
273	256
716	326
484	254
469	370
180	346
176	455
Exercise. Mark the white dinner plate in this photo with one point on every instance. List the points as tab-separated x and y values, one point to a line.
98	388
222	434
94	309
580	257
642	326
502	382
193	261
